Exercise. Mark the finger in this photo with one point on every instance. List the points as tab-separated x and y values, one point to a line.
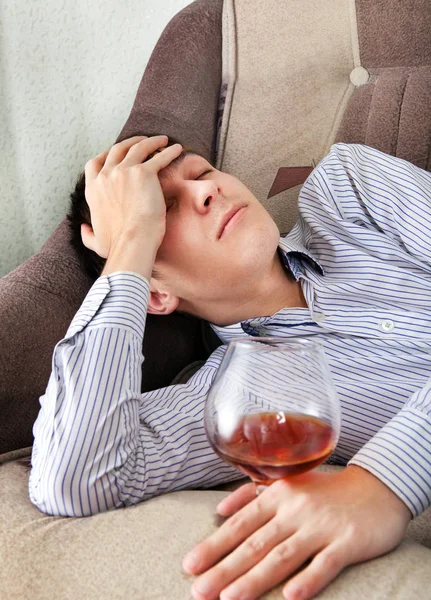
120	150
140	152
318	574
94	166
236	500
233	531
241	560
283	560
164	158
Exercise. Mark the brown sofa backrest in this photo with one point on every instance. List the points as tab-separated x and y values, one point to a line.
285	73
39	299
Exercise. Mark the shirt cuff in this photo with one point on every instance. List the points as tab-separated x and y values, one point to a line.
400	456
119	300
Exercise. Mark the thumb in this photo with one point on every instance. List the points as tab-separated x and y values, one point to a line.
90	241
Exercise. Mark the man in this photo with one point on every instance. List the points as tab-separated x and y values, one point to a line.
355	272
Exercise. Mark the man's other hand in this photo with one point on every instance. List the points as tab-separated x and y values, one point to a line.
334	519
124	194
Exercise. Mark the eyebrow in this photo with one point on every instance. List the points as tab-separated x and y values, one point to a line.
177	161
167	171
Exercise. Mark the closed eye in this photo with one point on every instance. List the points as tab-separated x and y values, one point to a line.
204	173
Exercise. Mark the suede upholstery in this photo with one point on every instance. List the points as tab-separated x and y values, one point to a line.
136	553
179	92
304	78
392	111
394	34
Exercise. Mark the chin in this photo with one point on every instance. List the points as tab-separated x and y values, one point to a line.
258	247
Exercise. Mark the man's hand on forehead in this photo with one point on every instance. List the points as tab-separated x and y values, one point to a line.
150	156
124	194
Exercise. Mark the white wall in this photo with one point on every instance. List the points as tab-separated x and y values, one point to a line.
69	71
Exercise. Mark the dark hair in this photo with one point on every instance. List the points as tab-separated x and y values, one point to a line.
79	213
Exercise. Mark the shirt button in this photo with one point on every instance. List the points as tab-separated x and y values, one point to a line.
387	326
263	332
319	317
254	323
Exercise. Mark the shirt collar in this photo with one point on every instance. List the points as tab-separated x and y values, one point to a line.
293	252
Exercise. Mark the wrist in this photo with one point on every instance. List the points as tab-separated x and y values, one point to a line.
378	489
147	233
133	253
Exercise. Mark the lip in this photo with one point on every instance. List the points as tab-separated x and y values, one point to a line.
230	218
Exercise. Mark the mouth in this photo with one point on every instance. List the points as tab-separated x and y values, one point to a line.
230	219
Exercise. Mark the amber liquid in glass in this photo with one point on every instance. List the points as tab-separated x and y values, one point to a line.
270	446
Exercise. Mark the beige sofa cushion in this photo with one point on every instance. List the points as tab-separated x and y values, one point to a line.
301	75
288	85
136	552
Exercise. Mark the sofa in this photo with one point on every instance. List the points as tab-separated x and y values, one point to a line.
262	90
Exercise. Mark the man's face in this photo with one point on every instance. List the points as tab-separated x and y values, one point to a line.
207	253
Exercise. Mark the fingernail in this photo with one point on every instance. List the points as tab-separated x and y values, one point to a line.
190	562
203	587
233	594
293	594
222	508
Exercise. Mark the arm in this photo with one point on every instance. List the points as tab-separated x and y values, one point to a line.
331	520
359	187
400	452
99	443
336	519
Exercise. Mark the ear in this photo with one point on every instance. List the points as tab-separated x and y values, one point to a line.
161	301
88	237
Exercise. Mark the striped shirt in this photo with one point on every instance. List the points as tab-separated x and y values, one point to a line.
361	251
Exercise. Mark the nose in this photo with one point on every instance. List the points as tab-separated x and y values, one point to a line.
203	195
